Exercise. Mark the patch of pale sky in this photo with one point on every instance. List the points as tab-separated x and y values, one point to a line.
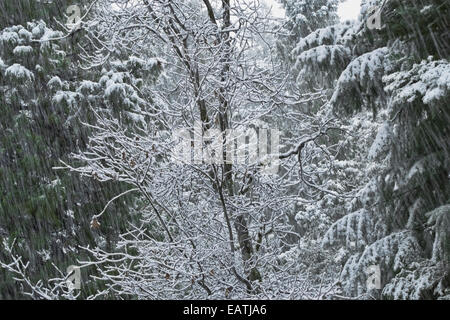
349	10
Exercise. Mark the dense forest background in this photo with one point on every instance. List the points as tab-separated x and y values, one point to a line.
86	176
